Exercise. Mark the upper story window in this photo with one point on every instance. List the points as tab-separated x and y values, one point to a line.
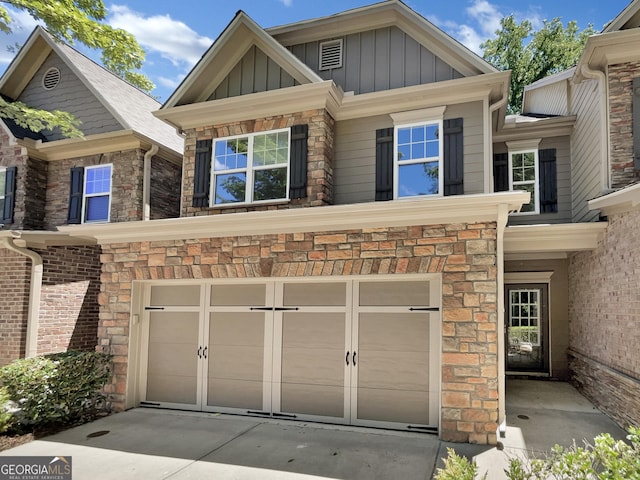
418	159
8	177
523	175
3	186
97	193
90	194
250	168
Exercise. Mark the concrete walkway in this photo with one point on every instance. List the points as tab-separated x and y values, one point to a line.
161	444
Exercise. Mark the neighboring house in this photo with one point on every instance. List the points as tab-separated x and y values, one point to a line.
126	167
603	93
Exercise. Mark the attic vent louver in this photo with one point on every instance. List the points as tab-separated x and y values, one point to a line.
331	54
51	78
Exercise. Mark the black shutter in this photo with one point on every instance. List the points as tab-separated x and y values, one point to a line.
500	172
298	151
75	195
384	164
9	194
202	173
636	123
453	157
548	181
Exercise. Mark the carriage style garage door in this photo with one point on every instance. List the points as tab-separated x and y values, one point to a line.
360	351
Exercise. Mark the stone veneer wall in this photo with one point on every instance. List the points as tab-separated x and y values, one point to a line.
604	320
69	299
465	254
15	275
126	187
319	159
621	123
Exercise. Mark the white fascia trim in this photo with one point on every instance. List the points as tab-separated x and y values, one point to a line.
566	237
622	18
94	144
300	98
523	145
414	116
528	277
406	212
43	239
619	201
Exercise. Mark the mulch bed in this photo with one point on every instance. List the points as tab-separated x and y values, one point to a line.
8	441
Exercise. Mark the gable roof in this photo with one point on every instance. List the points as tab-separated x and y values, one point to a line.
242	33
384	14
230	46
129	106
628	18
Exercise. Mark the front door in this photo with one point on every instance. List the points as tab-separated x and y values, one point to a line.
527	328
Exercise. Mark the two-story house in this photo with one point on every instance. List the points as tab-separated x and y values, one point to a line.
126	167
602	92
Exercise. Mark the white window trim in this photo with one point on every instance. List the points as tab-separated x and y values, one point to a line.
85	195
536	182
396	167
248	196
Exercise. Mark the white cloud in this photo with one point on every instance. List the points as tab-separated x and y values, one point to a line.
287	3
22	25
171	83
161	34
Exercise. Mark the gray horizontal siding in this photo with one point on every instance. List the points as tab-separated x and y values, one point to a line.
378	60
549	100
563	172
254	73
69	95
586	158
355	154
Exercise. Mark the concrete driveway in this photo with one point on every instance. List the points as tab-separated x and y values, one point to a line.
162	444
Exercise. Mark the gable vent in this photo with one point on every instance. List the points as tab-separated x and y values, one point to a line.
331	54
51	78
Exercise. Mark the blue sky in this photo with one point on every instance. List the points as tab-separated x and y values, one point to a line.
176	33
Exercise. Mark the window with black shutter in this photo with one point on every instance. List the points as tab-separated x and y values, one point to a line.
202	174
453	157
548	181
384	164
298	174
8	189
75	195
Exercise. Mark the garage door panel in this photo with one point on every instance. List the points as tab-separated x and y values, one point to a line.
313	330
172	388
238	329
238	295
323	400
394	332
316	366
394	293
394	370
315	294
233	393
172	328
405	406
236	362
177	359
175	295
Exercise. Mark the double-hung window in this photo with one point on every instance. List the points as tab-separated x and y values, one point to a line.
250	168
418	159
523	175
97	193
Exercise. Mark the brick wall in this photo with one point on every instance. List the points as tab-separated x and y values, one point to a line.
464	254
15	274
126	188
319	159
604	300
165	189
621	122
69	299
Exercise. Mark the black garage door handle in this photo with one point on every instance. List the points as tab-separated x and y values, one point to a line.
347	358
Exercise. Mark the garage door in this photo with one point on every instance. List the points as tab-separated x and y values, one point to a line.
354	351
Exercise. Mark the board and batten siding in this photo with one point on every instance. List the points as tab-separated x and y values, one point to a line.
70	95
585	147
548	100
354	173
563	179
254	73
377	60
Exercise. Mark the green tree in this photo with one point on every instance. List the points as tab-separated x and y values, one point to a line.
74	21
532	55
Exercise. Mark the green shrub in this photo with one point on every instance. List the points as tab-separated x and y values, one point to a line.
62	388
457	467
606	459
5	410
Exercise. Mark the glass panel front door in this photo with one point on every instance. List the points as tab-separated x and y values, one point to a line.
526	328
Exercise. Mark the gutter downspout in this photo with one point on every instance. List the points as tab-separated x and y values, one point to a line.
146	182
503	218
601	78
35	286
